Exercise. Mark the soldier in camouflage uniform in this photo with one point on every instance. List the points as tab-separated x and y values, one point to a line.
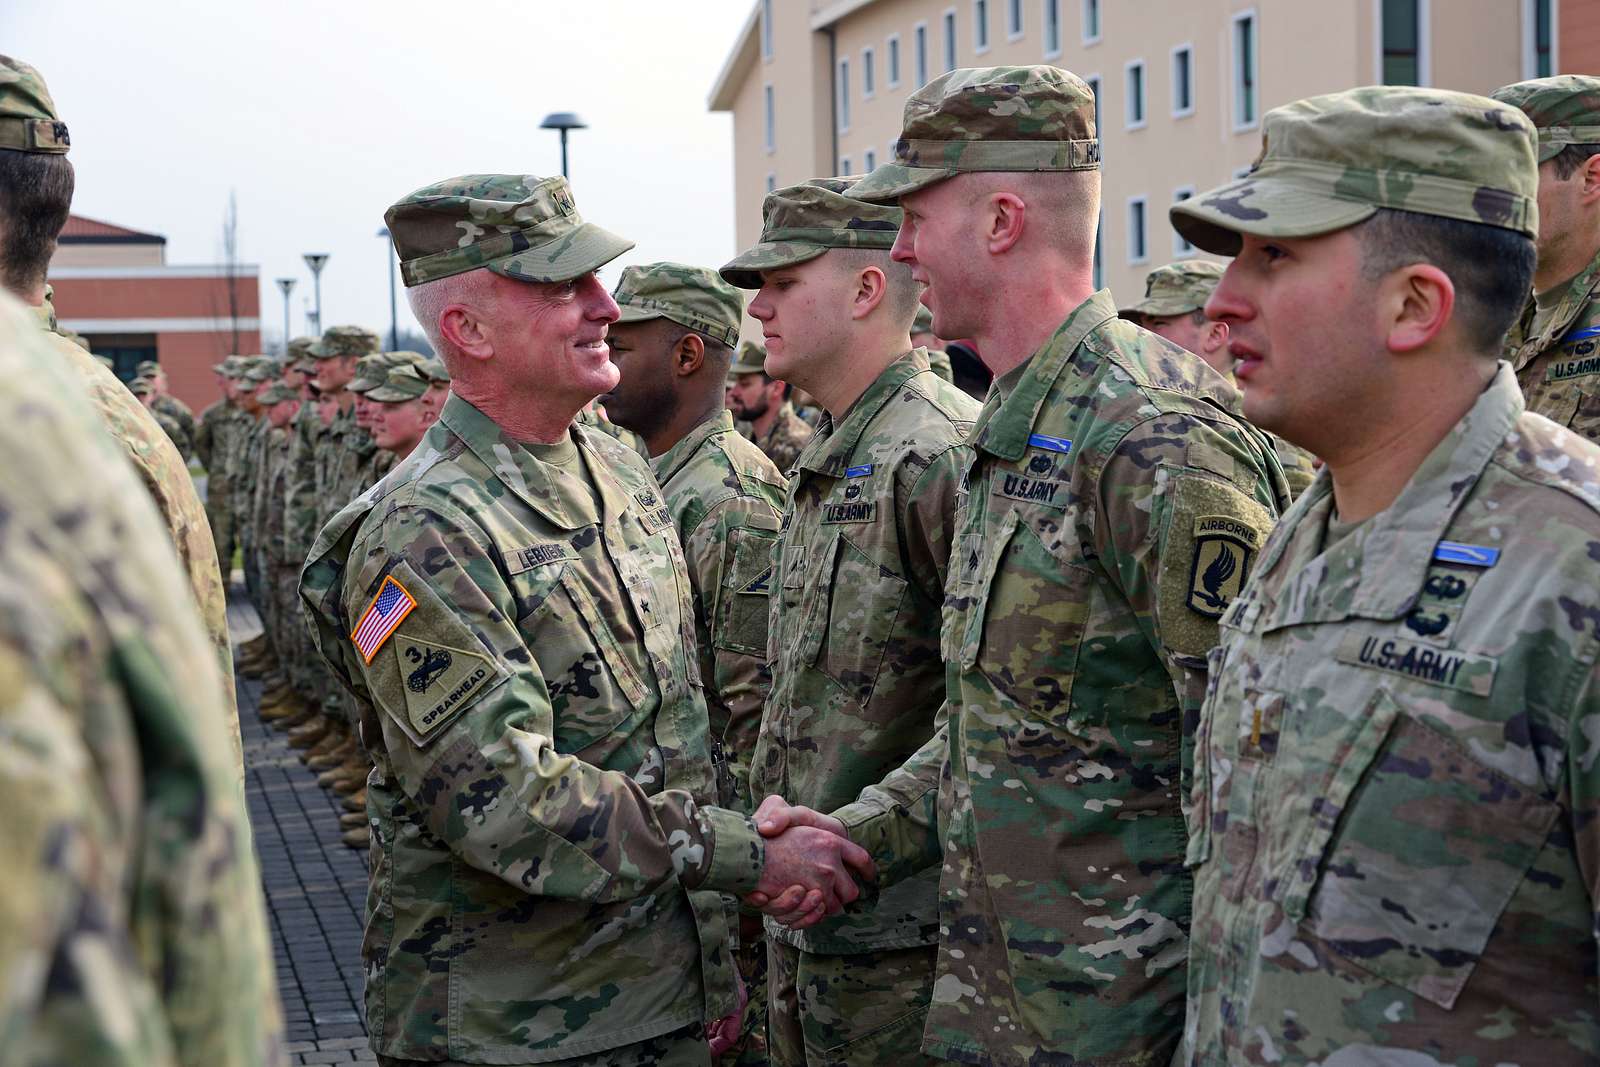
511	611
922	336
145	390
672	346
1174	306
214	435
164	402
762	402
279	403
859	578
1111	509
1554	345
1397	802
133	929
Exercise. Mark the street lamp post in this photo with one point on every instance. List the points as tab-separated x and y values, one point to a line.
285	286
394	318
563	121
316	261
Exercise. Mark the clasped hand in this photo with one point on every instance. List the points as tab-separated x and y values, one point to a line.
807	875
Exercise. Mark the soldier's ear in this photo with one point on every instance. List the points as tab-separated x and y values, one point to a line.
688	355
1589	174
1414	306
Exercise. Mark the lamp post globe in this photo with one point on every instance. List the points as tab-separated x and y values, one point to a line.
316	261
563	121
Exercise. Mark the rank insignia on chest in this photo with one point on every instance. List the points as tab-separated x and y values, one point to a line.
1223	547
383	616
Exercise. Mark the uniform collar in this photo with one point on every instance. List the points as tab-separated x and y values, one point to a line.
674	459
1377	571
832	449
1006	421
1575	296
46	312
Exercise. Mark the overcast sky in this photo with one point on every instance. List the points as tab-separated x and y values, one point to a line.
320	115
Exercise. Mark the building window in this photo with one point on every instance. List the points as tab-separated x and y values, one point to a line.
919	53
1182	81
1403	42
1093	81
894	61
980	25
1539	38
1138	235
1052	28
869	73
844	165
1013	19
1244	70
950	40
1099	240
1133	90
772	183
871	161
771	118
1091	21
1181	247
766	29
844	95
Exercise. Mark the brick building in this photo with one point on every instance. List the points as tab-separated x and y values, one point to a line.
114	286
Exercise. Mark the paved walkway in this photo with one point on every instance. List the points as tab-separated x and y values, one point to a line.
316	887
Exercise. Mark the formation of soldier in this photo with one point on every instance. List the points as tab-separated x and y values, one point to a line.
1209	681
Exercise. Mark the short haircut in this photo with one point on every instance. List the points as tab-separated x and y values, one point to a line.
902	295
35	197
1491	267
1569	159
716	351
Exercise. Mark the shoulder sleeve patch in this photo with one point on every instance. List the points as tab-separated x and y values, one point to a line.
1212	537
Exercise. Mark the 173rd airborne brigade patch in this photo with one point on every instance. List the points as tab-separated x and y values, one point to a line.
1214	535
1223	549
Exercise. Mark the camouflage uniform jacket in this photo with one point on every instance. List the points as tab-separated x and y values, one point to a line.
726	500
379	463
252	454
342	453
857	682
786	438
1398	804
204	439
1559	369
300	502
539	804
175	432
266	507
1114	501
155	459
1298	466
178	412
132	929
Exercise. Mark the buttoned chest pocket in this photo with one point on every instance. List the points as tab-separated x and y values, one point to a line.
853	616
743	602
594	682
1414	850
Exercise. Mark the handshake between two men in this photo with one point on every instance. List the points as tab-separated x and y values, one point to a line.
811	868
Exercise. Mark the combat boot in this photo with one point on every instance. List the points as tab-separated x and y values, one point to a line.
354	781
360	837
326	743
356	801
287	708
308	712
350	820
350	775
274	688
276	698
328	759
308	734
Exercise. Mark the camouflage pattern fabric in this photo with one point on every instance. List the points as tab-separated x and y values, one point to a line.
28	118
178	412
1565	110
801	222
684	1047
862	1010
132	928
1329	162
337	341
166	480
278	616
307	673
541	804
1177	288
1556	354
690	296
1038	118
1299	466
594	417
1113	506
1395	836
246	483
748	358
938	358
215	440
726	501
519	226
785	439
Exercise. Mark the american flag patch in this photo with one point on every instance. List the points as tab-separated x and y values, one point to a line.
384	615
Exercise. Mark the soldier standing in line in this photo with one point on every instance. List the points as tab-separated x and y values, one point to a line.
1553	345
164	402
1397	806
245	467
279	402
1174	306
762	402
858	582
1113	507
671	347
922	336
145	390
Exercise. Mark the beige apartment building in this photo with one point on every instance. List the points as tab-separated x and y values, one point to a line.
817	87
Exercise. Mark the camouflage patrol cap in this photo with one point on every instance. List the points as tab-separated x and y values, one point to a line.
277	393
229	367
750	359
345	341
28	121
1038	118
300	350
1565	110
1328	162
141	387
690	296
923	323
801	222
1177	288
435	370
519	226
147	368
404	381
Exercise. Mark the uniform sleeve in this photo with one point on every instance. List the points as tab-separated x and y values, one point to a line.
202	441
475	750
897	820
729	554
927	522
1583	786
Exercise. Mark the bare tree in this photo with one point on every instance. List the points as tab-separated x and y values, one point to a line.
226	305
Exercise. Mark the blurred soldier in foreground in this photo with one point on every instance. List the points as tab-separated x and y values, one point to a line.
1397	805
1174	306
1555	345
671	348
132	929
762	401
1113	507
36	183
859	578
511	610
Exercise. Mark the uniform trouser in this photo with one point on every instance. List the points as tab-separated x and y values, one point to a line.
222	535
751	959
862	1010
685	1047
284	629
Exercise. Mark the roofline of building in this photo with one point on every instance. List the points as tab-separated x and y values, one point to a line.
112	239
738	63
836	11
203	270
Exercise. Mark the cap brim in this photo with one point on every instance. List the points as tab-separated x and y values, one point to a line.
890	181
1548	151
1159	308
383	394
628	313
1261	207
586	249
744	270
